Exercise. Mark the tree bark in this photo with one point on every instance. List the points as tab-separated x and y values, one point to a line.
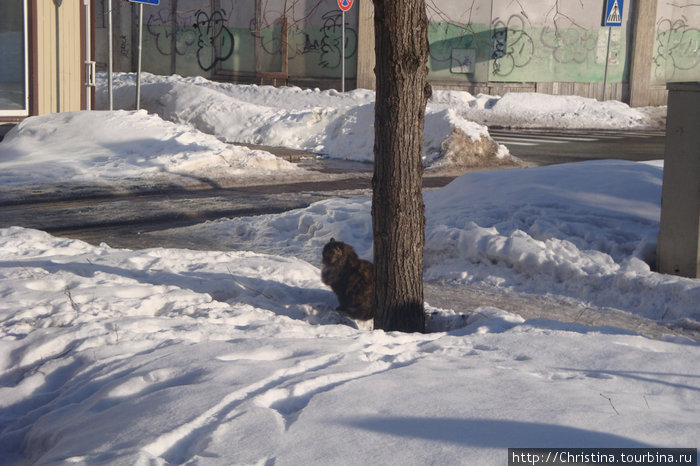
398	220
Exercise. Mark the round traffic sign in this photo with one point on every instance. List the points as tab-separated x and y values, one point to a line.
345	5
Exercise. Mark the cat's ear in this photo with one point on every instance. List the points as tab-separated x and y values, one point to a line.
332	240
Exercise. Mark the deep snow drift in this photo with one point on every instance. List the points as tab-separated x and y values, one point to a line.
185	139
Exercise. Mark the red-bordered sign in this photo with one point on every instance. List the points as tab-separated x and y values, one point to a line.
345	5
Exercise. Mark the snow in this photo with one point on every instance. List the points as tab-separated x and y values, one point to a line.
535	110
340	125
155	356
536	230
99	147
235	355
325	122
186	136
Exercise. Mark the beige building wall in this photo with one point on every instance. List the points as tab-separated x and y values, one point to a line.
59	61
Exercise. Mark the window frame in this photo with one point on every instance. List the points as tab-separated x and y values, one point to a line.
25	111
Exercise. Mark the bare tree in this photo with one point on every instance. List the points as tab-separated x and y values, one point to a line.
398	220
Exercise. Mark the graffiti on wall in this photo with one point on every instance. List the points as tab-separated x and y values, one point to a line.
123	46
172	33
504	48
512	45
676	48
206	35
515	48
448	45
214	41
571	45
268	33
303	39
203	34
330	47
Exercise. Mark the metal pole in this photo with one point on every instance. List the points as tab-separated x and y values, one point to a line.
138	70
110	55
342	55
58	56
607	57
88	56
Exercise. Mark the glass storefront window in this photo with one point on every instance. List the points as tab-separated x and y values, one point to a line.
13	58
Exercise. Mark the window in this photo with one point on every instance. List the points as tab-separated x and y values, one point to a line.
13	58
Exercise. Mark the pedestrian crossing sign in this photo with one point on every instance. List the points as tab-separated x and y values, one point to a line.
613	13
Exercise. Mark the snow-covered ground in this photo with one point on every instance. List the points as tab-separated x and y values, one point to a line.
170	356
166	356
586	231
111	148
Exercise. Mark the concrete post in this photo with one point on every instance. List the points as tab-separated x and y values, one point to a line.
643	30
678	250
365	45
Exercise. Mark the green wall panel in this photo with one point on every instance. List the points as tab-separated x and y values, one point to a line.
510	52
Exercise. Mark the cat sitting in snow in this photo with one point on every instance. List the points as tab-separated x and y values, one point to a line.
350	278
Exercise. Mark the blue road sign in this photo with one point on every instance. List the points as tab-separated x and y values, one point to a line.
147	2
613	13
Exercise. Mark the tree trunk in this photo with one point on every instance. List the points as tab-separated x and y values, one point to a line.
398	220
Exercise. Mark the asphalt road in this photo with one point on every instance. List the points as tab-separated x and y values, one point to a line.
546	147
124	220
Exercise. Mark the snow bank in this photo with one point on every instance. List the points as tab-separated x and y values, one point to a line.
586	231
535	110
203	115
325	122
172	356
110	146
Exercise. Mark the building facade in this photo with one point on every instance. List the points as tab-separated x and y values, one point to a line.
489	46
44	57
